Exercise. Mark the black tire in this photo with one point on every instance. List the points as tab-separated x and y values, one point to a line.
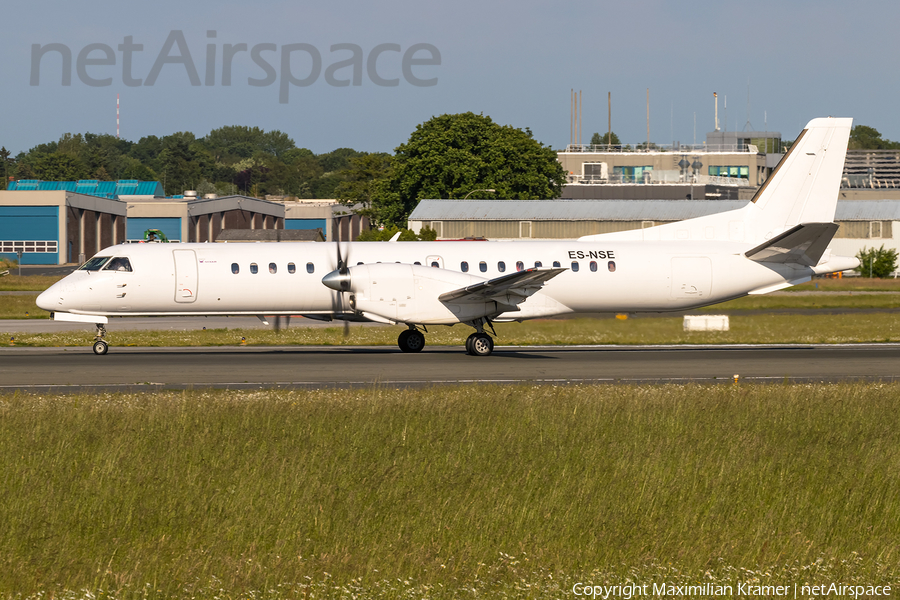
482	345
100	347
411	340
469	340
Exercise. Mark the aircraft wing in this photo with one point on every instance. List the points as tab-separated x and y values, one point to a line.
802	244
508	289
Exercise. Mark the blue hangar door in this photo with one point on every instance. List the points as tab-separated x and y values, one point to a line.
32	229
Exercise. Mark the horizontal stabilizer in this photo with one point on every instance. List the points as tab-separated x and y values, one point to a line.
513	288
803	244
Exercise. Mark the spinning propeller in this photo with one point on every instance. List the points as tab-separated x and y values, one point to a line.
339	281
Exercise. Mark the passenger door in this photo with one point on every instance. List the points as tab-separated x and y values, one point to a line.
185	275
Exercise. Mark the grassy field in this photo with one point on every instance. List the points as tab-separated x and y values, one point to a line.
26	283
748	328
448	491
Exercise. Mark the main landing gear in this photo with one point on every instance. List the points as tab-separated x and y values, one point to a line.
480	343
477	344
100	345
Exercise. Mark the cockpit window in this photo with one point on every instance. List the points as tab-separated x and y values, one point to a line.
119	263
94	264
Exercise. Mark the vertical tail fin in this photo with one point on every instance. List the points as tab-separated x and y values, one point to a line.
805	185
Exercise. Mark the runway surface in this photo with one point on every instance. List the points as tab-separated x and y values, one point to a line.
54	369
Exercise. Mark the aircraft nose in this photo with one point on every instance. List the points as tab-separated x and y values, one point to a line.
47	299
51	299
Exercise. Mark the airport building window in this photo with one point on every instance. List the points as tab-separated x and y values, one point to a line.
235	268
273	268
310	268
520	266
254	268
736	172
464	267
593	266
612	266
575	266
538	264
292	268
482	266
632	174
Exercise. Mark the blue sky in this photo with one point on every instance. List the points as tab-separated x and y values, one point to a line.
513	61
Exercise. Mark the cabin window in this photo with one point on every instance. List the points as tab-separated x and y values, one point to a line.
119	263
556	263
575	266
273	268
464	267
417	263
593	266
292	268
501	266
435	264
94	264
520	266
254	268
538	264
310	268
361	263
235	268
611	266
482	266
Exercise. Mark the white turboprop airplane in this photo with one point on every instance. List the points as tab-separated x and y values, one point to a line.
777	240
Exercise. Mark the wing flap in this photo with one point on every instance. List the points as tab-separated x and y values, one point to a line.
514	287
802	244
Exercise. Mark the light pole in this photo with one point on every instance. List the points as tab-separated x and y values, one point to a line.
481	190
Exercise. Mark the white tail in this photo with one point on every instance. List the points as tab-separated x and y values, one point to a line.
805	185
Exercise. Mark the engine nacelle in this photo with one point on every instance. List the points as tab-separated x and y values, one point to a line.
406	293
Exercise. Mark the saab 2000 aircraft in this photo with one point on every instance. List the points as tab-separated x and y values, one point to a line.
777	240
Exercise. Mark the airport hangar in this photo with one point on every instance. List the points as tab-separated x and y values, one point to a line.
60	222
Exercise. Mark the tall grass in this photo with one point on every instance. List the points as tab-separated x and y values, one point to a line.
429	493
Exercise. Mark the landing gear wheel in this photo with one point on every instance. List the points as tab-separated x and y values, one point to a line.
101	347
411	340
481	345
469	341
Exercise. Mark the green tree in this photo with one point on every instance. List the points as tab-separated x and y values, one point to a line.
362	179
879	263
863	137
602	140
451	155
233	143
383	235
7	165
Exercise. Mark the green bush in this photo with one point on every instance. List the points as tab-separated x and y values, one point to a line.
879	263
